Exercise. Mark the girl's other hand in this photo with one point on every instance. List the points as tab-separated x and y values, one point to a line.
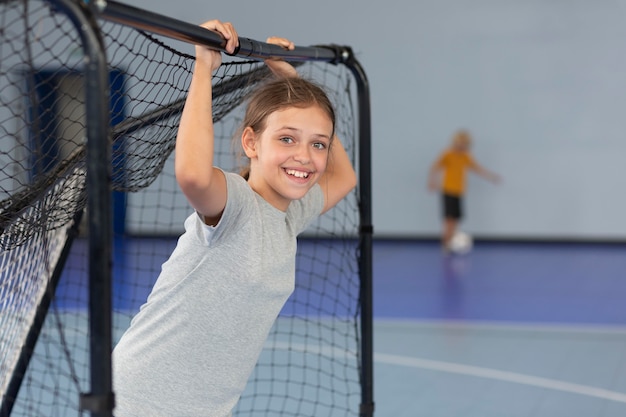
278	66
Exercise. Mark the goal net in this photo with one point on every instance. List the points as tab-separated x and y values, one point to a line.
311	363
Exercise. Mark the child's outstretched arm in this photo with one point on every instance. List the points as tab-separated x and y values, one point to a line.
485	173
203	185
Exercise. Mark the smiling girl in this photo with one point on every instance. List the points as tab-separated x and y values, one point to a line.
193	345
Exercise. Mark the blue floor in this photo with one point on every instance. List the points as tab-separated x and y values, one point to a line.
520	282
512	282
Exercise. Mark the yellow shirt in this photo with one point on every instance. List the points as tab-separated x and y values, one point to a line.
454	163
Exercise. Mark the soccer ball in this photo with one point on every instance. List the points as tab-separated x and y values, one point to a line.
461	243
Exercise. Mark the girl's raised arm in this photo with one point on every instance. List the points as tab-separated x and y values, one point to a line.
339	178
203	185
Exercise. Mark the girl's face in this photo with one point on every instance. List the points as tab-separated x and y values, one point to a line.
290	155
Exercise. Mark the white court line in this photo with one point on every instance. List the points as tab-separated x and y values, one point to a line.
514	377
456	368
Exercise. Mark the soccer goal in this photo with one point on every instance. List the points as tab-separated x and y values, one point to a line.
90	100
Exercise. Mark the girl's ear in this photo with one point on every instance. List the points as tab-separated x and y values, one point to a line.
248	142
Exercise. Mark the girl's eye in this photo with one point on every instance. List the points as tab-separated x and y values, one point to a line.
286	139
319	145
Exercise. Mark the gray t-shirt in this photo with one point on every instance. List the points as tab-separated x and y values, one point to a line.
193	345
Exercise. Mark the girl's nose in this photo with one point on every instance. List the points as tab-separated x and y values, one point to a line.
303	154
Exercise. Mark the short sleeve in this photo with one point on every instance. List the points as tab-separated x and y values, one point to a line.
302	212
239	197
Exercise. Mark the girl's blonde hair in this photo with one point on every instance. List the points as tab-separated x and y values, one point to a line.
283	93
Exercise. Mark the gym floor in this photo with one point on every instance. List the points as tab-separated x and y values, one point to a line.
508	330
511	329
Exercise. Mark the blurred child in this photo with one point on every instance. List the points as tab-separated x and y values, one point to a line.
452	164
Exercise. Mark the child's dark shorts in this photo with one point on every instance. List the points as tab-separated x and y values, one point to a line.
452	206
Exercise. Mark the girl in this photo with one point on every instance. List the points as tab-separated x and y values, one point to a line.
192	346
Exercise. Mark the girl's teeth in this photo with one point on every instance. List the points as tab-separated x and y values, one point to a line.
298	174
